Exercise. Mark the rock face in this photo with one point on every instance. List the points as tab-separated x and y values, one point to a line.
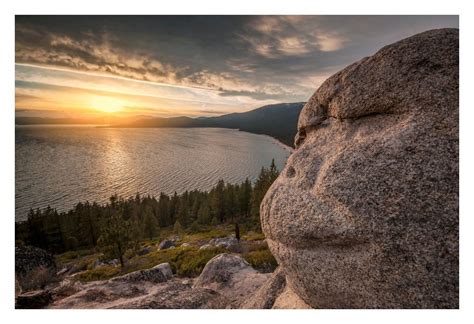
159	273
122	294
231	276
226	281
276	294
365	212
34	267
265	296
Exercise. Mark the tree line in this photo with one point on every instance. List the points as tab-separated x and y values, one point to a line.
119	221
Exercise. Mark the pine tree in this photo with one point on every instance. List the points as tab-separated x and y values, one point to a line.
204	213
117	236
218	201
150	224
245	194
177	228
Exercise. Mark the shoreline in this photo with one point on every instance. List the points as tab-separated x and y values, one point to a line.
274	139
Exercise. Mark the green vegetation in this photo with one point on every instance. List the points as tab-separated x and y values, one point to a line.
262	260
100	273
185	261
119	224
91	239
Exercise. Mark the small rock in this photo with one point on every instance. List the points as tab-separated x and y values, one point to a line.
231	276
205	246
114	262
66	288
62	271
159	273
165	268
174	238
166	244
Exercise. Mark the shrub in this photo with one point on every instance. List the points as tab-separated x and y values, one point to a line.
194	227
253	236
185	262
100	273
261	260
194	260
37	278
71	256
177	228
206	236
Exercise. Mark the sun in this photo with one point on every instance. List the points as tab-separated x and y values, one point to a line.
106	104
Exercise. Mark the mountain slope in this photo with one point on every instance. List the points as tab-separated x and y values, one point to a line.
278	121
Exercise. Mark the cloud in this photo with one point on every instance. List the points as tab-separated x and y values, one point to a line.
259	58
328	43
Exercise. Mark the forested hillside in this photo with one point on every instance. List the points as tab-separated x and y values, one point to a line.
120	222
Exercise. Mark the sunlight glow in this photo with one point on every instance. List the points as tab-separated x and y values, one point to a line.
106	104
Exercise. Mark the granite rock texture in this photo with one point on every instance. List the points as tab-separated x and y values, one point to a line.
365	212
118	294
265	296
232	277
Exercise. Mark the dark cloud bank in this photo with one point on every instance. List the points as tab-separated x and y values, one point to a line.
263	57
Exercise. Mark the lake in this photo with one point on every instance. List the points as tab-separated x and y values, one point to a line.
62	165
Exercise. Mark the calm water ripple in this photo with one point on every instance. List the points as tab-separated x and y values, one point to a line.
62	165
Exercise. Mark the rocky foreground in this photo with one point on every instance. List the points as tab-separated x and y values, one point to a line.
227	281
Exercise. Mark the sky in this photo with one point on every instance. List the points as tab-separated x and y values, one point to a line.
86	66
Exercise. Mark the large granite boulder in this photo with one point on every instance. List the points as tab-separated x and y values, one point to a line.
34	267
365	212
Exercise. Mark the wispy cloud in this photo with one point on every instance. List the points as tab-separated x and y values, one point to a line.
228	61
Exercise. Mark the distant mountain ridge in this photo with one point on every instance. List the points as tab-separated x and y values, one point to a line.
276	120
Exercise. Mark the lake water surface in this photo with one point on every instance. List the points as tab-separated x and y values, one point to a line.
62	165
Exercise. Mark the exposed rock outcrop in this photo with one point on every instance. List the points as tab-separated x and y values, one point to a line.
231	276
34	267
172	294
225	282
265	296
365	212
